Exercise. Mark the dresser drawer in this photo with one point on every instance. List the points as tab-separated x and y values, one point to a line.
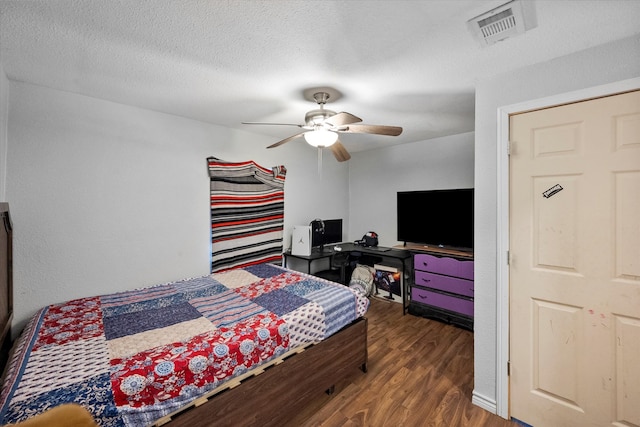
444	265
458	305
444	283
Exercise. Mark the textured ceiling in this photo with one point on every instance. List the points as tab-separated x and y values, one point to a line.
405	63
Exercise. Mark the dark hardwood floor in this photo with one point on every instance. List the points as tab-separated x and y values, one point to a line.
420	373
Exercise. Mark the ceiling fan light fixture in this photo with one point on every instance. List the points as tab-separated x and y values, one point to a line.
321	137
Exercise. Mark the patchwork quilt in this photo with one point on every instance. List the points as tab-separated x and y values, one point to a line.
134	357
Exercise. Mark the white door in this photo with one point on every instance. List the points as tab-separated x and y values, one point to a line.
575	264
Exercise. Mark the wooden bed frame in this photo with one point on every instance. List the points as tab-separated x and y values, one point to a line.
267	397
6	283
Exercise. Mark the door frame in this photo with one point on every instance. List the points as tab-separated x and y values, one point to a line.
502	217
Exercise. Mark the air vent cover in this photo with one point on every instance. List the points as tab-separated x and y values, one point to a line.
498	24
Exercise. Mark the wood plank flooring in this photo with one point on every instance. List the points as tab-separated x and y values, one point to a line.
420	373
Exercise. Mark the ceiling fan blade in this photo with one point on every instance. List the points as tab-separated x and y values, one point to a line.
277	144
276	124
340	153
375	129
342	118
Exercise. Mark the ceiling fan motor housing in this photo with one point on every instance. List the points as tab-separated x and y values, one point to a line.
317	117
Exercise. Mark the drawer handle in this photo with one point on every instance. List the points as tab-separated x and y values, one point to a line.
426	280
425	263
423	296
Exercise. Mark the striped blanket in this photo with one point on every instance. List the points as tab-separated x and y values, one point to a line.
247	213
134	357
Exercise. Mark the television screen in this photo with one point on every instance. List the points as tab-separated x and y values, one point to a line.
441	218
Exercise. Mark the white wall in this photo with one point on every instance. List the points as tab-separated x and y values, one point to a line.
596	66
376	176
106	197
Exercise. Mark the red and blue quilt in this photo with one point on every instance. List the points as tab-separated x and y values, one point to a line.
133	357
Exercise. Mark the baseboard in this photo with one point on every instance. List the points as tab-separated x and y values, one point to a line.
484	402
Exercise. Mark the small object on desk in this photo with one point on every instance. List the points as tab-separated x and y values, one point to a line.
301	240
337	248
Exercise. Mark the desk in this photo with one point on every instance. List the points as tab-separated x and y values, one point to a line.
401	255
316	254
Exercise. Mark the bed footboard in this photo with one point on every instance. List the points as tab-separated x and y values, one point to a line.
269	398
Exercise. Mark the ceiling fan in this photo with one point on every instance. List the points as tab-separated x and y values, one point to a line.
322	127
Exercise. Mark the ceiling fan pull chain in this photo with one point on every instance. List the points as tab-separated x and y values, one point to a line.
320	162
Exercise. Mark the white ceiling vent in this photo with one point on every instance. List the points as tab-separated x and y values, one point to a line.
500	23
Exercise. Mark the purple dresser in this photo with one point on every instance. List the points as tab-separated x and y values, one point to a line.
442	288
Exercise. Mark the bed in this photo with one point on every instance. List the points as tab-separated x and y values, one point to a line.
247	346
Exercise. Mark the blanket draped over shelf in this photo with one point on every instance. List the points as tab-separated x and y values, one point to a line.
134	357
247	213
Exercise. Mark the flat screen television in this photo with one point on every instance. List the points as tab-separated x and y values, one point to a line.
442	218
